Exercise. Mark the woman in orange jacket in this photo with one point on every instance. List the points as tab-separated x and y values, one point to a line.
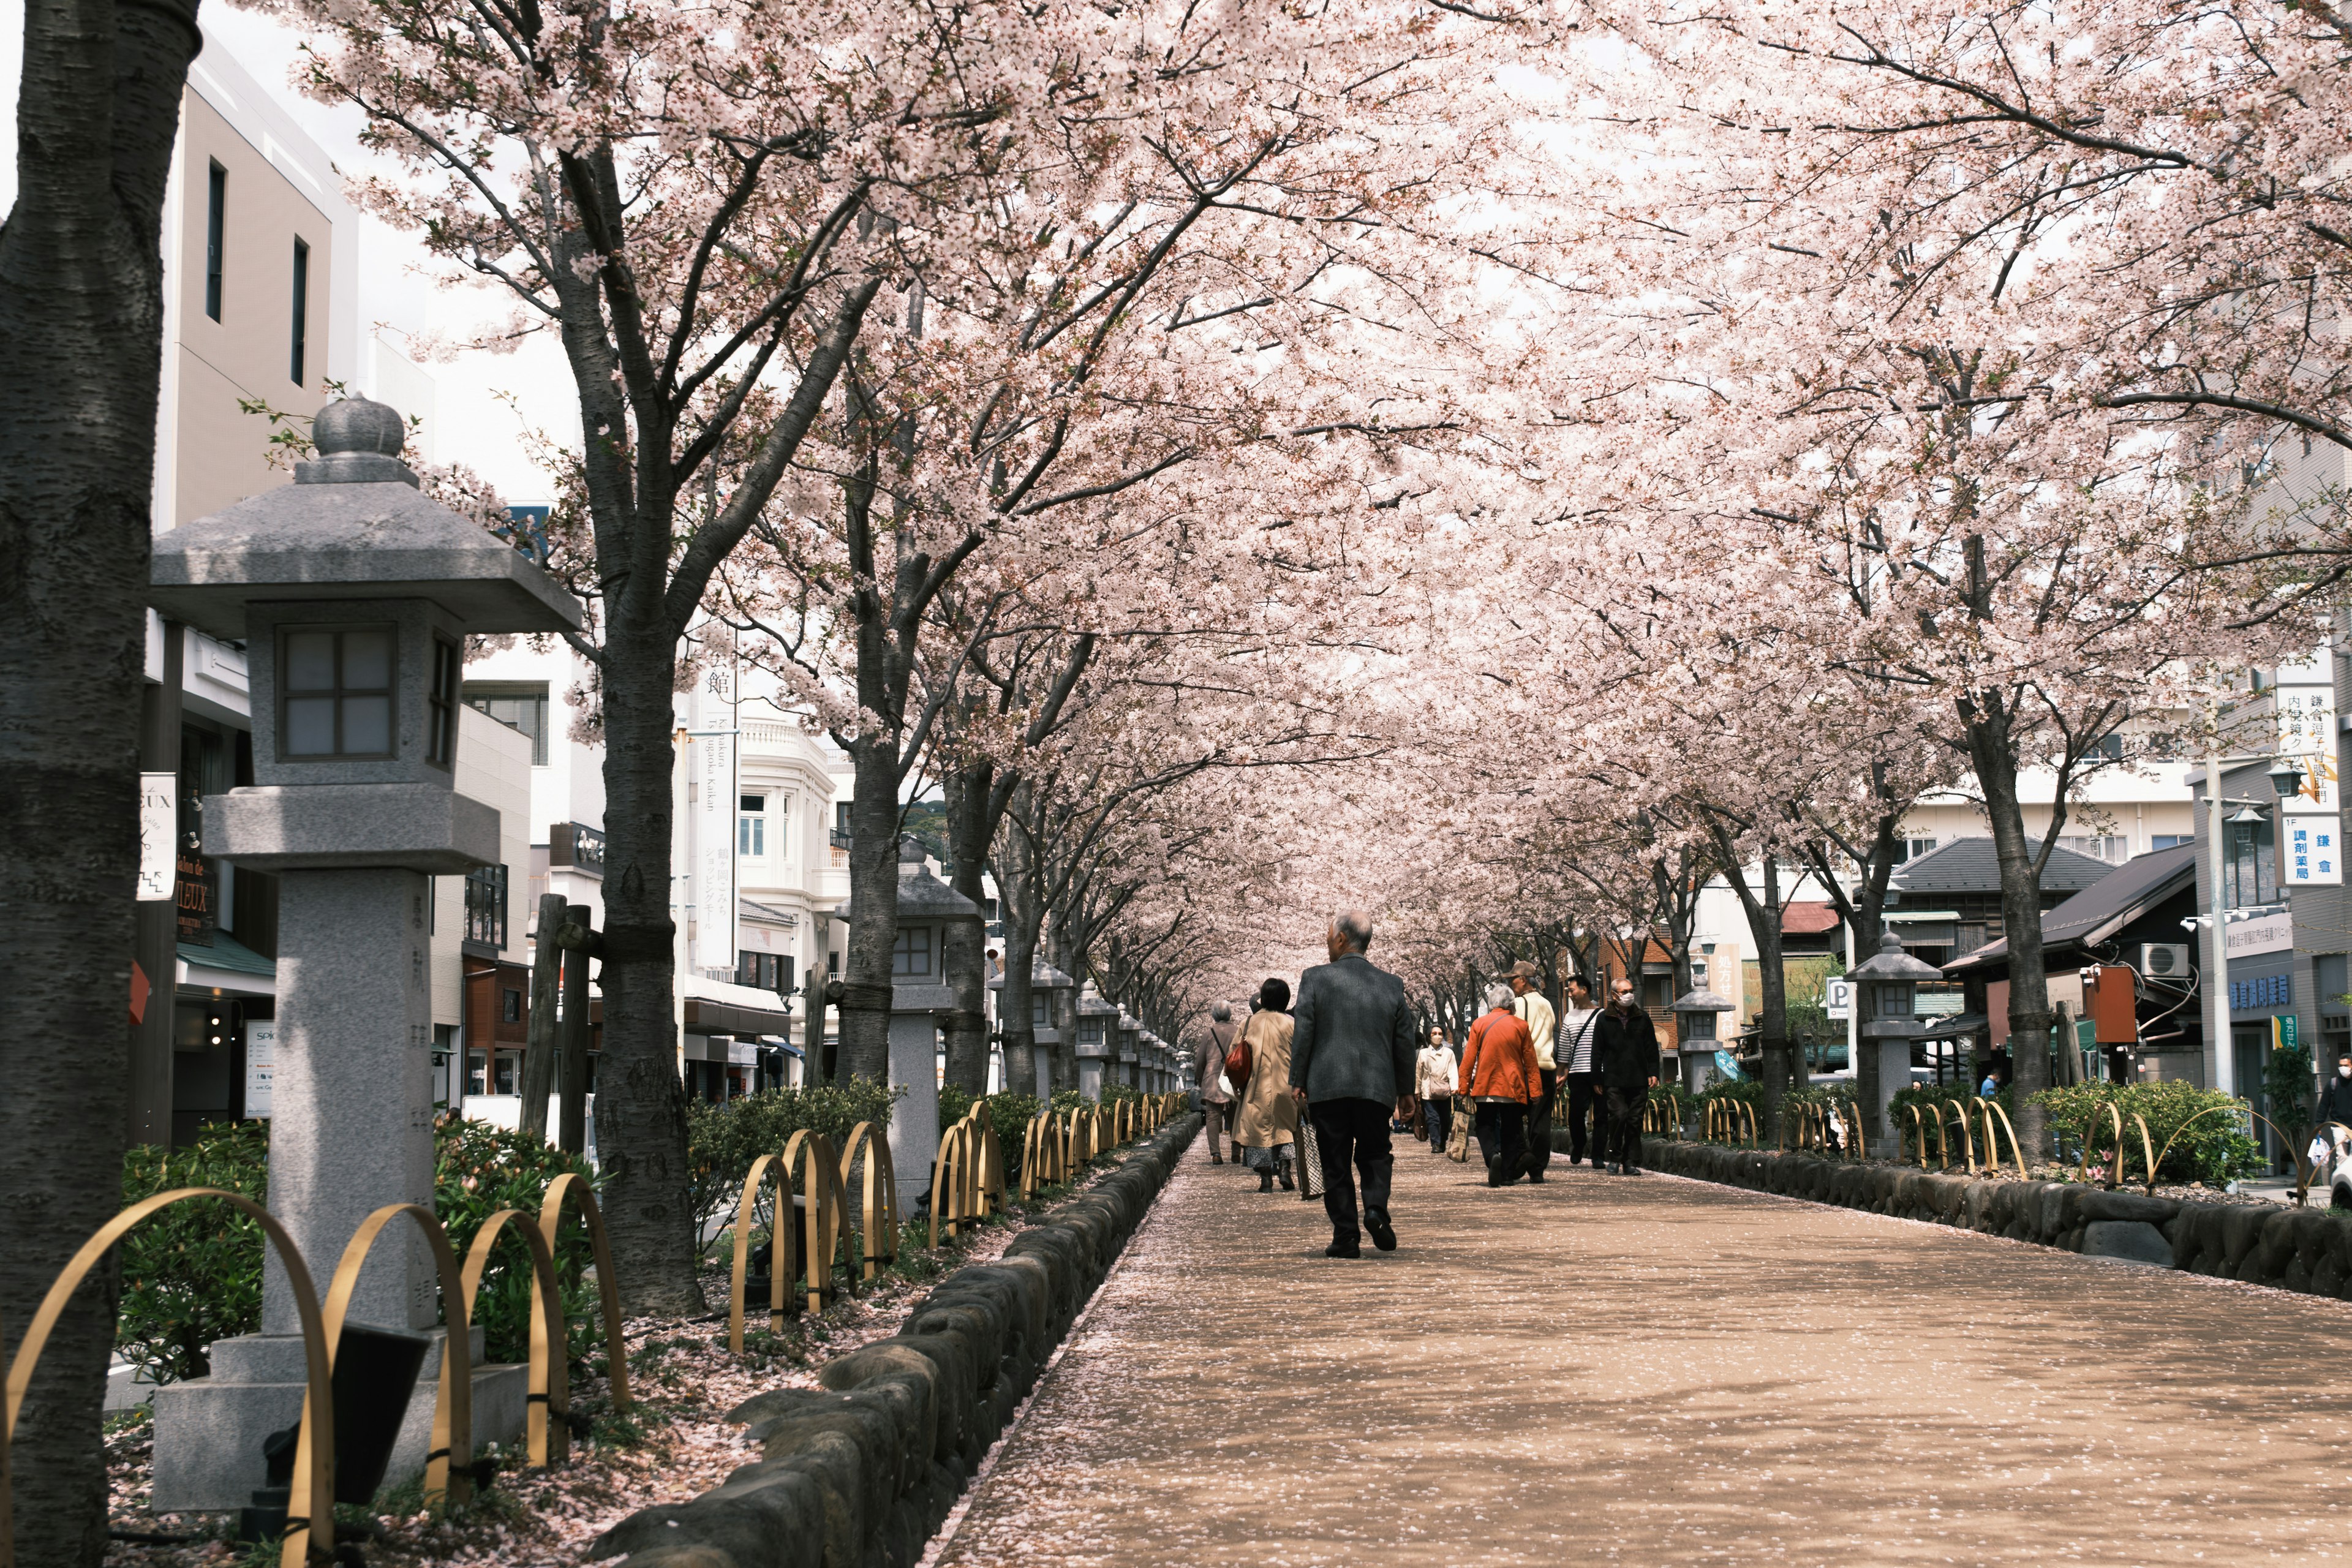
1500	1077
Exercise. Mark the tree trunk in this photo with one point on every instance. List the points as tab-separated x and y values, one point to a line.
539	1059
1993	750
813	996
81	334
964	955
873	909
1017	891
640	1099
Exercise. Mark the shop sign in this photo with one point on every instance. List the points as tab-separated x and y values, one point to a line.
1838	995
159	830
2270	932
2311	850
197	917
2306	719
261	1065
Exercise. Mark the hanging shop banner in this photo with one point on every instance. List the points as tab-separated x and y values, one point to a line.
159	834
2307	718
2310	851
714	774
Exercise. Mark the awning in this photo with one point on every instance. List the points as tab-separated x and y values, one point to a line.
1955	1025
781	1044
226	965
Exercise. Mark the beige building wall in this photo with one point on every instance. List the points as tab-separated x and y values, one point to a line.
221	453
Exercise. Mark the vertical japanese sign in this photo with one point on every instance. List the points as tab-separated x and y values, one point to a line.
159	835
714	819
2311	826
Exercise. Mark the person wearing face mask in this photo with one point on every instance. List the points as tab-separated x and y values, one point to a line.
1625	1054
2336	1099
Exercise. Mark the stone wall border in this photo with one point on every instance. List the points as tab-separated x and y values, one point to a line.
860	1471
2277	1245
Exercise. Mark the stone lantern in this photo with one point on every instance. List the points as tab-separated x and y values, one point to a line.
1046	984
1887	990
1130	1048
355	594
1098	1041
1155	1062
1696	1013
920	997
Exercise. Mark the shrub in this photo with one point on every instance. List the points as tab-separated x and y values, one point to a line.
192	1274
723	1139
2287	1088
2212	1145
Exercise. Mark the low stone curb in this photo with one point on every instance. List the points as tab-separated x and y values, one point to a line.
2289	1247
860	1472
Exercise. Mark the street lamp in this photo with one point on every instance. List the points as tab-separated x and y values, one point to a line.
2286	779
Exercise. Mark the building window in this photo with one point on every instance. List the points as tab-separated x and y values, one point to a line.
509	1006
751	827
523	707
2329	979
334	691
216	232
441	705
486	910
2112	848
912	956
1908	850
509	1070
477	1072
301	310
2169	840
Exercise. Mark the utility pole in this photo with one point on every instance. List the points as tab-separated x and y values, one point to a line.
2219	1051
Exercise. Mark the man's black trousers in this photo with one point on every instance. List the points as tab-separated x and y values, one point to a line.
1624	1144
1352	1133
1585	1131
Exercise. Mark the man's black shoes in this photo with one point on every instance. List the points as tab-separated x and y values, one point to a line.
1344	1247
1383	1233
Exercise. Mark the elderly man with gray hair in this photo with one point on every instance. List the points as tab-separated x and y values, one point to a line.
1216	1101
1351	1059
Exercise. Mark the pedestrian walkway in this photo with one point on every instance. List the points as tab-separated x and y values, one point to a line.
1653	1370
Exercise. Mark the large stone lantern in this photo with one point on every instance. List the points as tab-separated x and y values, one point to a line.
1887	990
1130	1048
355	594
920	996
1696	1013
1098	1041
1045	985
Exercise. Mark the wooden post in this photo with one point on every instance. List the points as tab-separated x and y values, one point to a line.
577	941
539	1058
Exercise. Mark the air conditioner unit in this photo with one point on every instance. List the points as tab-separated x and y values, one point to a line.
2164	959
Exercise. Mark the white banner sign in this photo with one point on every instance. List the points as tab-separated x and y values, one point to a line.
260	1065
2306	717
714	821
159	835
2263	933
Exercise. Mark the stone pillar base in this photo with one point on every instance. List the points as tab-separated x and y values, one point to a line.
208	1431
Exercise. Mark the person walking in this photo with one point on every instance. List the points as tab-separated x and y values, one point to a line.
1627	1057
1351	1063
1434	1072
1500	1077
1216	1104
1533	1008
1578	1027
1266	1130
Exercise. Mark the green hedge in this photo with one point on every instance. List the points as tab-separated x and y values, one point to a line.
193	1274
2212	1148
723	1139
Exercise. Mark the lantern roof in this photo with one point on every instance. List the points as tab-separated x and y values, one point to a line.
1043	976
1127	1022
353	525
922	897
1091	1004
1699	999
1891	963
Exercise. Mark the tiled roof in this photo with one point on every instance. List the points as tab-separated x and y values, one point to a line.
1970	866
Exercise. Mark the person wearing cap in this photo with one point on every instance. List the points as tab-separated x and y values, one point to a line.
1534	1010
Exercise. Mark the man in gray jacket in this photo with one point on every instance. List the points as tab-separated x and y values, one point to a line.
1351	1056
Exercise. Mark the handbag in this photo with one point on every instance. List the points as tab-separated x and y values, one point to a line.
1310	1160
1457	1141
1238	1063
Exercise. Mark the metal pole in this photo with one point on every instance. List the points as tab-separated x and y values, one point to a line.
2220	1053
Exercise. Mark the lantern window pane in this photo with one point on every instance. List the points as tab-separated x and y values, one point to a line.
912	954
335	693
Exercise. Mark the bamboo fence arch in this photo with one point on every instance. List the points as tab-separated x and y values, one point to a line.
572	1188
780	1247
548	1435
879	1211
450	1455
314	1449
824	1228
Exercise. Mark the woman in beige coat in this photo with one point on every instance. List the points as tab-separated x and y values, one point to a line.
1266	1129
